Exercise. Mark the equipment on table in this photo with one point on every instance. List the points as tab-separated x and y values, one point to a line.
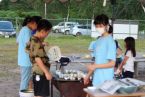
54	55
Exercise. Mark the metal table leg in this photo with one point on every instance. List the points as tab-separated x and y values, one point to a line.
135	69
51	88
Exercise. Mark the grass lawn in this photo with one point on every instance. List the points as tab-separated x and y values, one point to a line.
71	44
68	45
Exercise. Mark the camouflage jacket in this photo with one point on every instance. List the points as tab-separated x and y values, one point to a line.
35	48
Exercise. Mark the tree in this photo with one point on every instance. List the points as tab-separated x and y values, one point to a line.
122	9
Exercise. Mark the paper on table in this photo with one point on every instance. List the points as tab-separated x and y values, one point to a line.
113	85
110	86
134	82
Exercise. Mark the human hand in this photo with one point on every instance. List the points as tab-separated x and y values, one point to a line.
118	72
86	80
45	43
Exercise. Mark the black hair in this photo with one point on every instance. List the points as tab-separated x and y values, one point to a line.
103	19
44	25
130	45
110	30
29	19
36	19
116	42
26	20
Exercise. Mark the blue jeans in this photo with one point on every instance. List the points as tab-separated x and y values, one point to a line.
25	77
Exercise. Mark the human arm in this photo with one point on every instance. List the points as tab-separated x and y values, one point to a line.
92	67
45	44
119	70
109	56
87	77
95	66
126	57
37	52
43	68
119	52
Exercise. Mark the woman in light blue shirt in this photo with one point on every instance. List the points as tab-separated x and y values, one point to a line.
30	24
104	52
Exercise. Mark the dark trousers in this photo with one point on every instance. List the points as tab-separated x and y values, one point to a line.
128	74
41	85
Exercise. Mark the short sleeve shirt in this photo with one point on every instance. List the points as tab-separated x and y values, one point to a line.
36	49
91	48
22	40
105	50
129	66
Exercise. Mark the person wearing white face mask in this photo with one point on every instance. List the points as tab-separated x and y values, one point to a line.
104	52
102	30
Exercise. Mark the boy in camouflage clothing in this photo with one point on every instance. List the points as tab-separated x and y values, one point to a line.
39	59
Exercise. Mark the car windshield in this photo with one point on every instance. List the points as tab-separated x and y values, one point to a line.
6	25
84	27
61	24
70	25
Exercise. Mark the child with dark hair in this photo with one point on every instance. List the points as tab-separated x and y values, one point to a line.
26	20
37	19
104	52
39	59
127	65
29	19
29	25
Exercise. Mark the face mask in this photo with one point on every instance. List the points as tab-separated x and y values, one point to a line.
101	30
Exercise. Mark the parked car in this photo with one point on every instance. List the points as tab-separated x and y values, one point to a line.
64	27
7	29
78	30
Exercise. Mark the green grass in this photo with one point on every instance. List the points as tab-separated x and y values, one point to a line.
71	44
8	52
68	45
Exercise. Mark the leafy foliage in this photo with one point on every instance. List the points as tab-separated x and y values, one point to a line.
123	9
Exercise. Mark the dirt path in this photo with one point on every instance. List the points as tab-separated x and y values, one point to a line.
10	79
